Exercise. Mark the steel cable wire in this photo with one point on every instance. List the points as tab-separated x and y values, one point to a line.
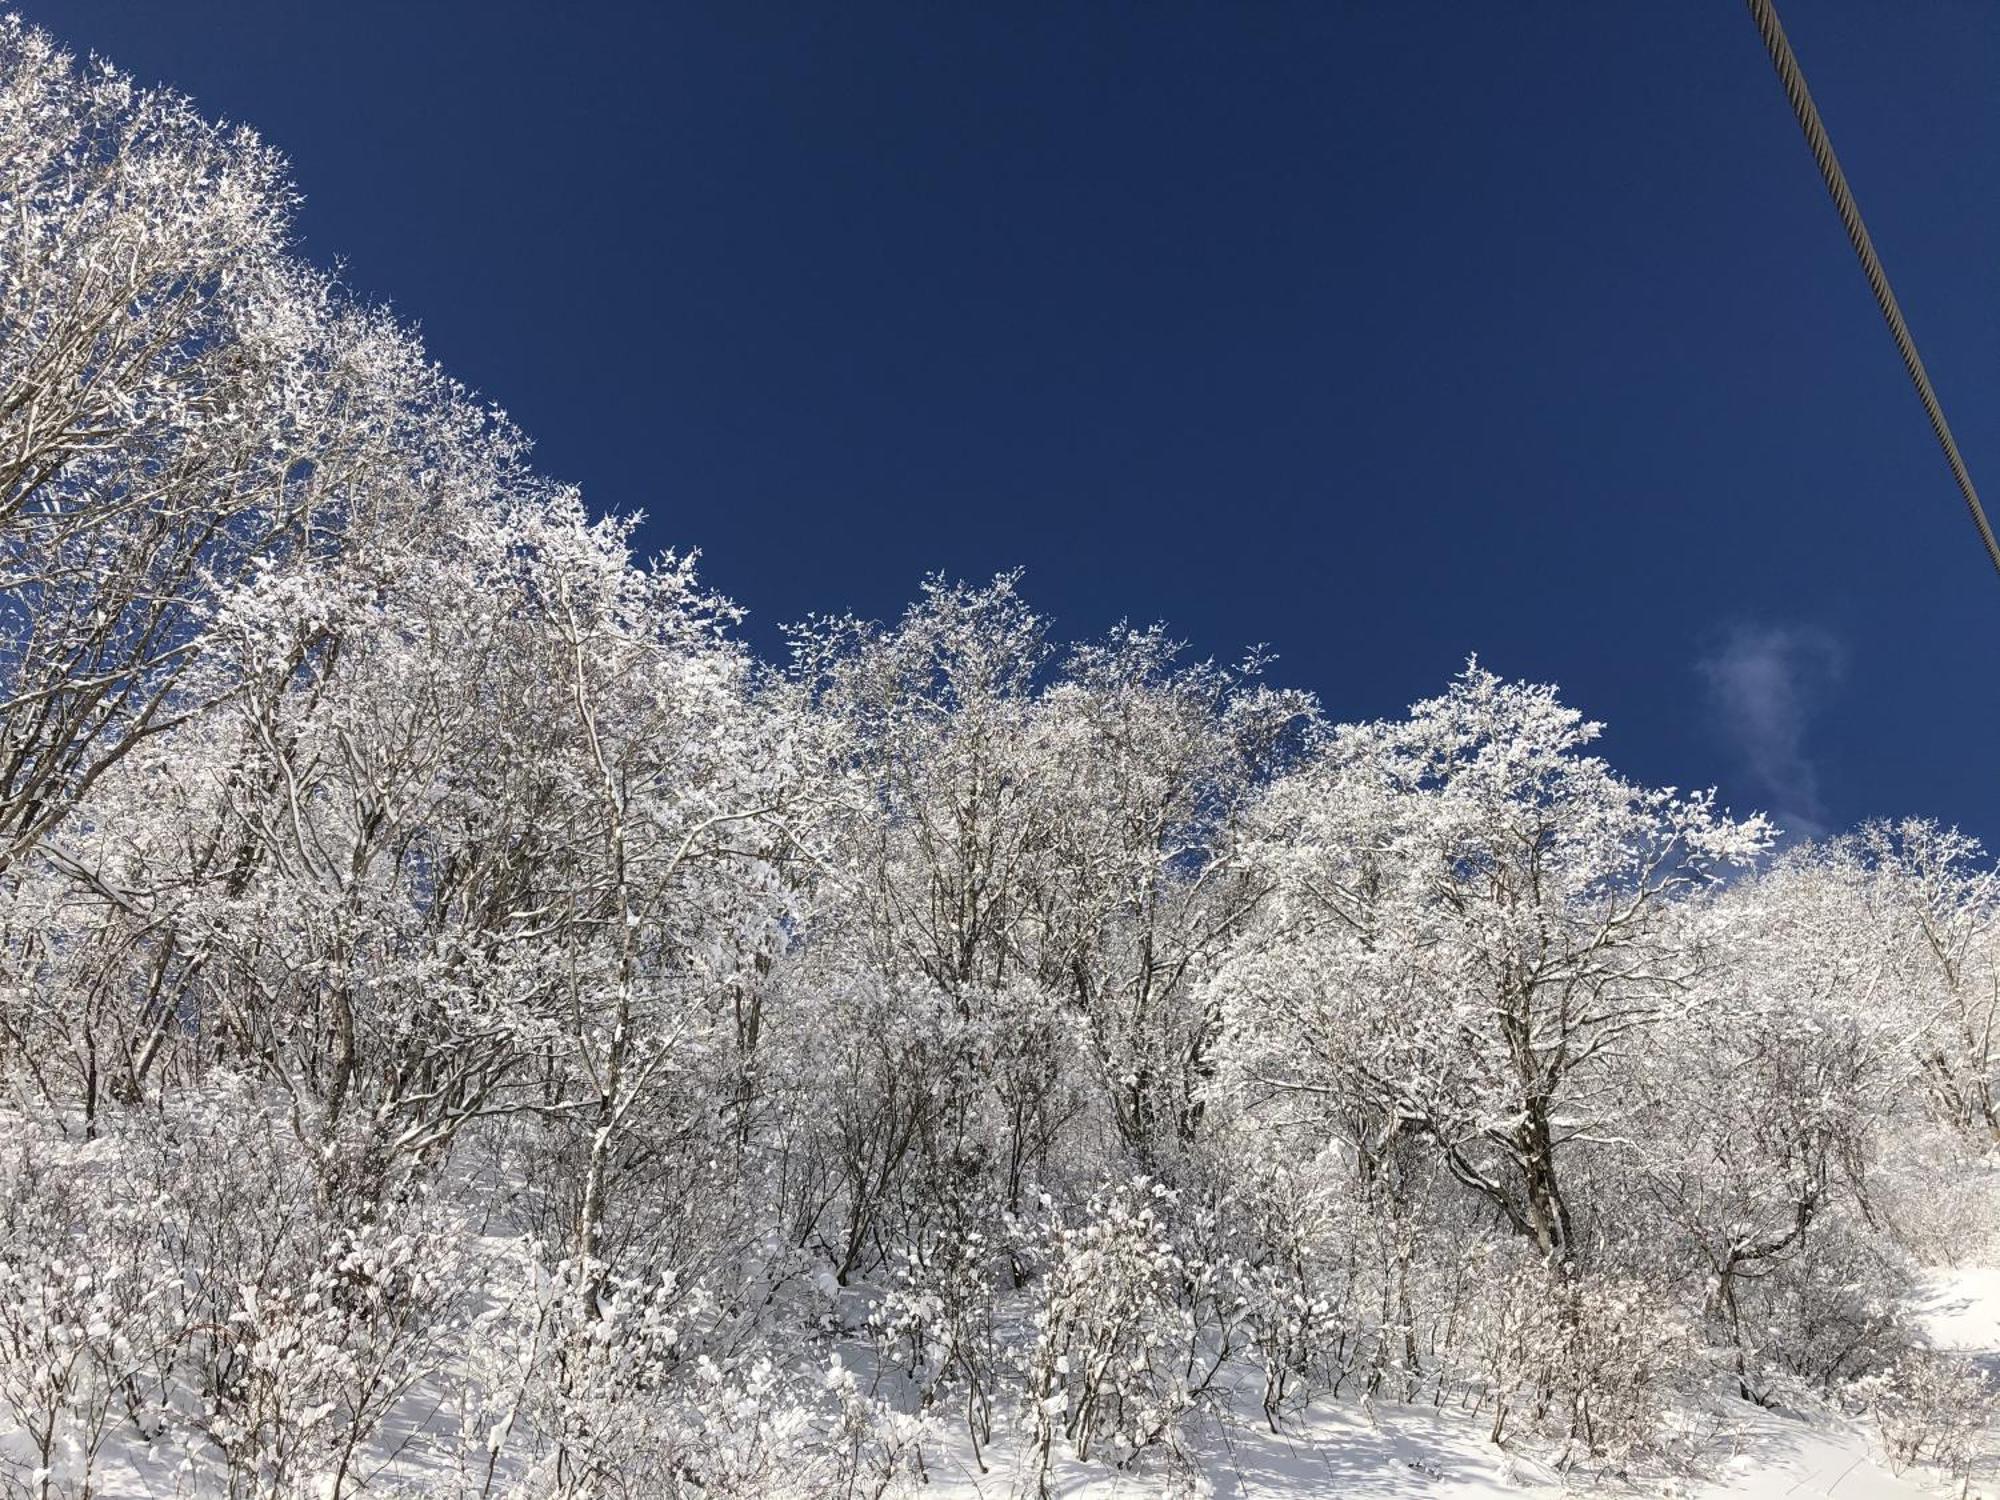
1765	13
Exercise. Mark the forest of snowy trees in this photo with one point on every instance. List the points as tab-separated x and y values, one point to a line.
468	1027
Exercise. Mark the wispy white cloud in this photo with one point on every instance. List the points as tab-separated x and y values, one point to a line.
1764	682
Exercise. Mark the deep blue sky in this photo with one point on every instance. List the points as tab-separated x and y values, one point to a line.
1380	333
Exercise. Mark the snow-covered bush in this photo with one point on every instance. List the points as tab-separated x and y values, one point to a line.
1116	1365
1587	1362
320	1364
1836	1311
1938	1197
935	1324
74	1348
1293	1282
1930	1408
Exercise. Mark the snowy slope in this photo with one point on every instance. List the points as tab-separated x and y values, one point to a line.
1415	1453
1354	1449
1408	1453
1961	1311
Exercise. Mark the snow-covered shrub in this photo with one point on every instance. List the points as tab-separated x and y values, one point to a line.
1629	1352
73	1343
582	1370
1117	1364
126	1254
1293	1295
1831	1313
217	1189
1586	1361
1939	1197
322	1362
935	1323
1930	1408
1279	1251
589	1383
176	1282
760	1436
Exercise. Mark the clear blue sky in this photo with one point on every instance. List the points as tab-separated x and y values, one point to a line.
1380	333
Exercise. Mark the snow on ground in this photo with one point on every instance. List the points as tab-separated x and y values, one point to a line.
1779	1455
1348	1449
1415	1453
1960	1309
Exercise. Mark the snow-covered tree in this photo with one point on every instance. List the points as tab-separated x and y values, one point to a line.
1471	919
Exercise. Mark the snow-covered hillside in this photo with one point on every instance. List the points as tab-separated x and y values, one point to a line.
1735	1450
470	1028
1732	1450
